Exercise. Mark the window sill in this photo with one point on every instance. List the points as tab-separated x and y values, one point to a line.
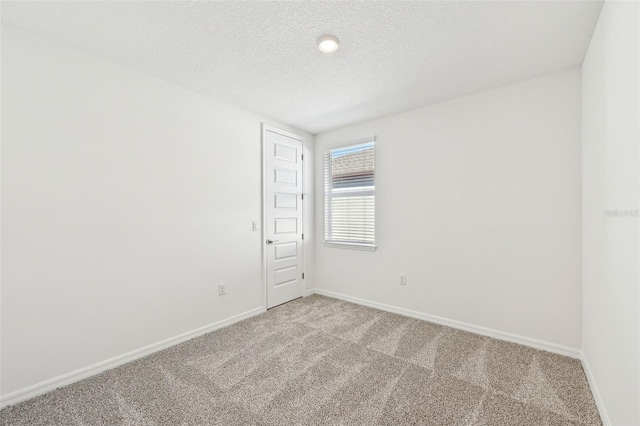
351	246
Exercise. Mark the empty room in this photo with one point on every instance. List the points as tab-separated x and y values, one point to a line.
320	213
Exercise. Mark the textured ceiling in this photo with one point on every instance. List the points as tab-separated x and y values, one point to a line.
394	55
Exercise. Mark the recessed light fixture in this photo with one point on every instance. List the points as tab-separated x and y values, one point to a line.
328	43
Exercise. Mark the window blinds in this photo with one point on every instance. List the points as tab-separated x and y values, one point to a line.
349	194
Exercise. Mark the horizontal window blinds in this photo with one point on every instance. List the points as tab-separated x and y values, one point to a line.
349	194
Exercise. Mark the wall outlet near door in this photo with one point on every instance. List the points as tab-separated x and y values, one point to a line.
222	289
403	279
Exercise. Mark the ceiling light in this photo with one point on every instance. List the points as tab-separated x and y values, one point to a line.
328	43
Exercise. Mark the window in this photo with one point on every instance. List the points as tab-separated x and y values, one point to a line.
349	196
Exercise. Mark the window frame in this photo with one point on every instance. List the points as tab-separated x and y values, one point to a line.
340	244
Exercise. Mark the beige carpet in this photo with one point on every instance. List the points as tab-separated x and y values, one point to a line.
321	361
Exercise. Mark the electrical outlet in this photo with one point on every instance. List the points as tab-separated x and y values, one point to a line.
254	226
403	279
222	289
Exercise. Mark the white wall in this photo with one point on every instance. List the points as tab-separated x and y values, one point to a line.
610	179
478	202
126	200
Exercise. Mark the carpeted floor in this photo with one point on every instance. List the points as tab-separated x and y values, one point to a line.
321	361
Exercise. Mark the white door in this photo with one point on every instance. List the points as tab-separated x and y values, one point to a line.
283	213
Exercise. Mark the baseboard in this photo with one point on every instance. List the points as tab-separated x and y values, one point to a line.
527	341
594	390
309	292
82	373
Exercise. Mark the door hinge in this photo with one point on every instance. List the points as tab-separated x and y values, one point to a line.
302	195
303	236
302	157
303	275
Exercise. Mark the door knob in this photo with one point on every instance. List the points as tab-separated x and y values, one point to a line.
271	241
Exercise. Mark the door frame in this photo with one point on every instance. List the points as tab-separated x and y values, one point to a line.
263	234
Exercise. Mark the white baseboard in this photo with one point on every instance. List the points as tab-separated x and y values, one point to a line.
594	390
91	370
309	292
527	341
